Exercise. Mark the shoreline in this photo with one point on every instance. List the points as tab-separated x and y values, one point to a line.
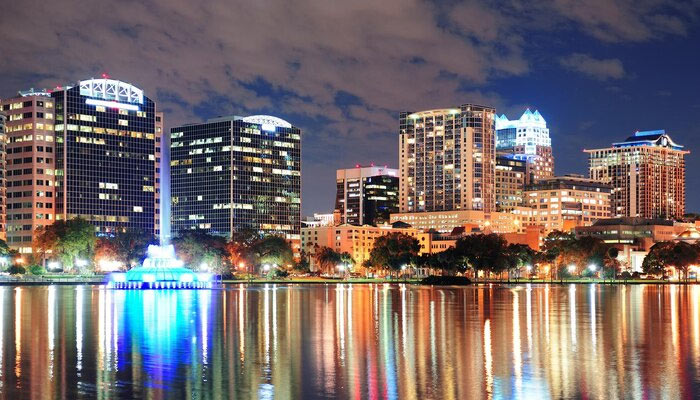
257	282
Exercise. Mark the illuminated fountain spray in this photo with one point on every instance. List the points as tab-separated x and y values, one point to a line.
161	269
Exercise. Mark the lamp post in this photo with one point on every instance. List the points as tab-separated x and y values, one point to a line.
593	268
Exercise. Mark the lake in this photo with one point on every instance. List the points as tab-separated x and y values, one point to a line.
361	341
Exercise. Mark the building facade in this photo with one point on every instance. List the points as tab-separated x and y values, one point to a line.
634	236
30	166
510	182
232	173
527	139
3	177
647	175
358	241
447	159
564	202
366	195
105	163
471	220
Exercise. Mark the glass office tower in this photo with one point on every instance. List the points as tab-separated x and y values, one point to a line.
106	155
366	195
231	174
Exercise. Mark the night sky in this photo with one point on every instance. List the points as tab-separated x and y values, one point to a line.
343	70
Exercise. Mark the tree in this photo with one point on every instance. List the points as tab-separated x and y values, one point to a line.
303	265
518	256
483	252
270	250
202	251
132	245
393	251
327	259
68	241
658	258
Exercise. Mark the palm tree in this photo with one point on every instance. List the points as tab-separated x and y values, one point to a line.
327	259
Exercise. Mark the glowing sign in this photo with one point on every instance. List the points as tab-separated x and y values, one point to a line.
111	104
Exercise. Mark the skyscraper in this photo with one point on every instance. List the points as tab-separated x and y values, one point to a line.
233	173
366	195
106	152
527	138
29	179
447	159
647	175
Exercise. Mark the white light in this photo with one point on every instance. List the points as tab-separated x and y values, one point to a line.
118	277
149	278
186	278
111	104
592	267
109	265
341	267
403	267
54	265
529	267
268	120
266	267
268	127
80	262
204	266
203	277
572	268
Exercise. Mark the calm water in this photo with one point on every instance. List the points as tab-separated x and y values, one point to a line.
351	341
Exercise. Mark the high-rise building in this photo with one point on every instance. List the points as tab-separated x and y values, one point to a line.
3	177
106	151
232	174
447	159
366	195
527	138
564	202
510	182
647	175
30	166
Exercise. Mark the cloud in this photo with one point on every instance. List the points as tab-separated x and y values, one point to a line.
601	69
628	20
199	59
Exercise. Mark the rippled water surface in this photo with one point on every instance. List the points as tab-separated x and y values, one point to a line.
351	341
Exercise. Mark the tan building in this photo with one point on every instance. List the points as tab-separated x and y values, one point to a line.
564	202
30	166
359	240
634	236
447	159
647	175
446	221
510	182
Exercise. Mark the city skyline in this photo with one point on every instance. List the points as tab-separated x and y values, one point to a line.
586	69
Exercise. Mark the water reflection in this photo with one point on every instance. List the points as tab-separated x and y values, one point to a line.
351	341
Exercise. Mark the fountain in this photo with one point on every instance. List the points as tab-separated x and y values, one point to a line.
161	269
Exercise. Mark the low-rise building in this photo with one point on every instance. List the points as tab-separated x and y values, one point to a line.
634	236
446	221
564	202
358	241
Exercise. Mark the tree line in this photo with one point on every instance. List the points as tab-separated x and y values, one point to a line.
73	246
